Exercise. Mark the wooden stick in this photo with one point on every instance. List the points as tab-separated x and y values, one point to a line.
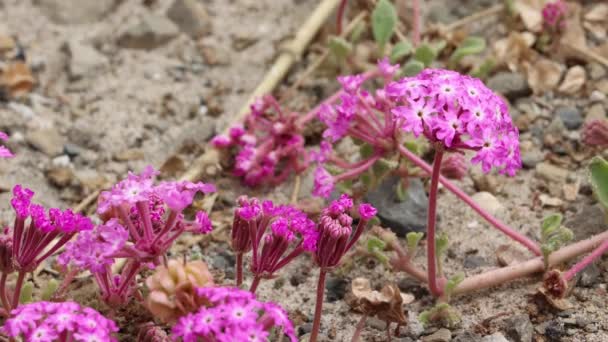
290	54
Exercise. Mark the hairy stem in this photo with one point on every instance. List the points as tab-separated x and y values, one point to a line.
3	296
316	323
254	284
18	286
239	269
579	266
359	328
510	232
340	16
416	22
430	224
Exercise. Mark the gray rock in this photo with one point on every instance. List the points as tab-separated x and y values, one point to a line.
570	116
467	336
596	71
531	158
191	17
401	217
84	59
304	329
551	173
376	323
441	335
554	331
149	31
474	261
510	84
336	288
47	141
519	328
496	337
590	275
75	11
488	202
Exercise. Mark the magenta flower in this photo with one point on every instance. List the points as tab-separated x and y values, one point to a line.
232	315
323	183
554	15
387	69
67	321
5	152
275	234
595	133
269	147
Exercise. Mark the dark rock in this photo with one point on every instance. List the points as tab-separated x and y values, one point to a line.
400	217
570	116
304	329
72	150
411	285
519	328
336	288
510	84
467	336
554	331
589	276
474	261
298	279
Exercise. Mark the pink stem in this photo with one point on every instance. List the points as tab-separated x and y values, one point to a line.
340	17
359	328
431	220
416	22
254	284
18	286
356	171
239	269
601	249
3	296
531	245
316	324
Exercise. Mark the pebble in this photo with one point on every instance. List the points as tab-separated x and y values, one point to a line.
531	158
551	172
597	96
47	141
488	202
149	31
467	336
474	261
376	323
336	288
589	276
574	80
441	335
75	11
61	161
304	329
570	116
191	17
496	337
596	71
554	331
595	112
511	84
60	176
400	217
520	328
85	60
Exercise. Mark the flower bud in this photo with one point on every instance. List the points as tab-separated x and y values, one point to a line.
595	133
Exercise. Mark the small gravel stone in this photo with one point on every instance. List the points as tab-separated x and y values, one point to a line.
496	337
148	32
336	288
590	275
510	84
474	261
570	116
304	329
376	323
554	331
551	173
467	336
441	335
531	158
47	141
520	328
488	202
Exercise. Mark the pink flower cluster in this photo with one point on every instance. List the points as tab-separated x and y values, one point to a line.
233	315
67	321
271	231
554	15
335	230
34	242
458	112
270	145
5	152
142	220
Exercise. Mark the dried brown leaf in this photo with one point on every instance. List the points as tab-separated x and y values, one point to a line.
515	49
530	13
574	80
574	35
599	12
543	74
17	79
386	304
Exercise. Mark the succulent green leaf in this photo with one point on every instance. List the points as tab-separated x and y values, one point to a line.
339	47
425	54
375	244
470	46
441	244
550	224
599	179
453	282
49	290
484	69
26	293
400	50
357	32
401	191
412	68
366	150
384	19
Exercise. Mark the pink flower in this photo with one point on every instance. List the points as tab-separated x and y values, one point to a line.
352	83
324	183
417	116
554	15
44	321
386	69
5	152
203	222
367	211
221	141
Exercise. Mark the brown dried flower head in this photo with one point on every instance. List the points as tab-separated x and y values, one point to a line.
150	332
386	304
595	133
173	289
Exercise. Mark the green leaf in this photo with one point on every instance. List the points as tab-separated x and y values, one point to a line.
345	186
425	54
550	224
413	146
26	293
400	191
470	46
599	179
484	69
384	19
366	179
438	46
413	239
49	290
400	50
339	47
357	32
375	244
366	150
453	282
441	244
412	68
